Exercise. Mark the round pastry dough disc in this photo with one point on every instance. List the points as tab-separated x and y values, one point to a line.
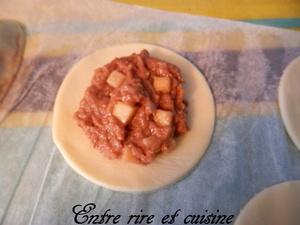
118	174
289	100
276	205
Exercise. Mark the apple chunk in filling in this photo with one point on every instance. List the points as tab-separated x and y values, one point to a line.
163	117
162	84
115	78
123	112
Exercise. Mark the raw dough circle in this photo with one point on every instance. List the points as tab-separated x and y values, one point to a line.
289	100
118	174
276	205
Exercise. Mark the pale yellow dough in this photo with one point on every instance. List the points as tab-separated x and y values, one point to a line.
118	174
276	205
289	100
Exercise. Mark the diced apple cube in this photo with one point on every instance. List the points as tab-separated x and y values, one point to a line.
123	111
162	84
163	117
128	156
115	78
151	143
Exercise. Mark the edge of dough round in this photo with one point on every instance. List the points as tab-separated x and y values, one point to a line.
266	208
285	110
